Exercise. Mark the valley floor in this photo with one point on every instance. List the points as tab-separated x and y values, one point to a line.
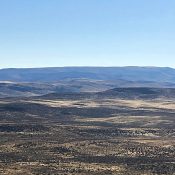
97	136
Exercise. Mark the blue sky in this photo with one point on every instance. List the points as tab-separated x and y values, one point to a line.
45	33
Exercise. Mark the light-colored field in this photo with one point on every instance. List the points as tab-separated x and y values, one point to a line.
127	119
154	104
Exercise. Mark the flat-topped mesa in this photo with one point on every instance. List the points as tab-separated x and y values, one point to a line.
155	74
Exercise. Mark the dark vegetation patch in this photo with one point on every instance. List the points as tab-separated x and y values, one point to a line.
22	128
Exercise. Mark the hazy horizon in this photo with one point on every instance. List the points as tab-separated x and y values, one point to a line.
87	67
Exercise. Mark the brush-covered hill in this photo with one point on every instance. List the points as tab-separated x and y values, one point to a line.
118	93
139	93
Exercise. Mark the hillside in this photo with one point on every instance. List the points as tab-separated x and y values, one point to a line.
139	93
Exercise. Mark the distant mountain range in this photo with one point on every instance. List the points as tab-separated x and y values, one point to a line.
155	74
40	81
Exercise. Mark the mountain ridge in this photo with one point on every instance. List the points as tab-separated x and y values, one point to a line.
53	74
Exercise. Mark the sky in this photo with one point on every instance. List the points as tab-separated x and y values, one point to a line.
56	33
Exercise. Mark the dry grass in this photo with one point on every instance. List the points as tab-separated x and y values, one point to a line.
154	104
